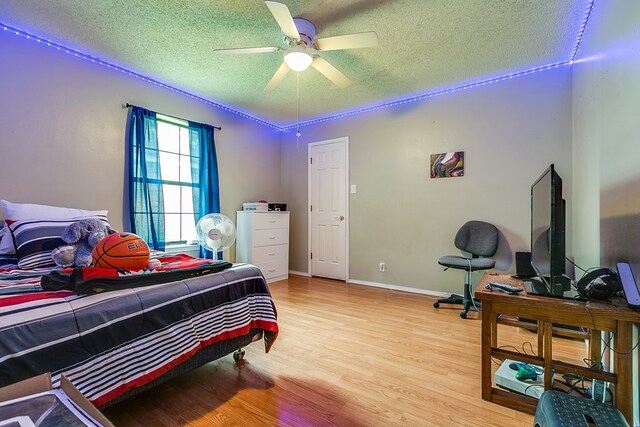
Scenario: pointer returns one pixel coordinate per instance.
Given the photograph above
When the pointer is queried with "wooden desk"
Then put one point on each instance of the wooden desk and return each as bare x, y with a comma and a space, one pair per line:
595, 316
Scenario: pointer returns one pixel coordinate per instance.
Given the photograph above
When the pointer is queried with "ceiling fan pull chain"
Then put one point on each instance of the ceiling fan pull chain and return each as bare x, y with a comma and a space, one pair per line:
297, 110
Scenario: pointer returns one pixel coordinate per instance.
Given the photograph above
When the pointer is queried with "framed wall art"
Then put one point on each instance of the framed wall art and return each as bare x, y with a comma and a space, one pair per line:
445, 165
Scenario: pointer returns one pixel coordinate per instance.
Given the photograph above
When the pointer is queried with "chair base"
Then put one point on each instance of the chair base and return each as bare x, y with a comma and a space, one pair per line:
466, 303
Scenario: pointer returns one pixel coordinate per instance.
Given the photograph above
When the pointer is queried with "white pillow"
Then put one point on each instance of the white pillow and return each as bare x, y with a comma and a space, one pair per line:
22, 211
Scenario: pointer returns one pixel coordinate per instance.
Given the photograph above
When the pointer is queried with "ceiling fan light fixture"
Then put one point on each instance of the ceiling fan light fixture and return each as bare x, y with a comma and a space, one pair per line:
297, 58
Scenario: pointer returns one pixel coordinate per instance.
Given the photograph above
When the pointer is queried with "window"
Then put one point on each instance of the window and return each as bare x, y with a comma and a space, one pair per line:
172, 179
177, 183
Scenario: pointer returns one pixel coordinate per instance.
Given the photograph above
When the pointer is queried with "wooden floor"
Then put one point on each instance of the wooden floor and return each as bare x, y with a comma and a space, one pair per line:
347, 355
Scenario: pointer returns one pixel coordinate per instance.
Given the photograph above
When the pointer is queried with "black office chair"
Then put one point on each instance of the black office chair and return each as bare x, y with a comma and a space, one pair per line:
481, 240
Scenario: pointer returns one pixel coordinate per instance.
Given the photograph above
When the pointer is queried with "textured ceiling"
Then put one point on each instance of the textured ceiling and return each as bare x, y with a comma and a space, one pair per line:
425, 45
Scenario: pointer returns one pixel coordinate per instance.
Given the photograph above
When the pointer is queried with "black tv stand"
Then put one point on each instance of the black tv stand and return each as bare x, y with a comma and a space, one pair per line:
536, 286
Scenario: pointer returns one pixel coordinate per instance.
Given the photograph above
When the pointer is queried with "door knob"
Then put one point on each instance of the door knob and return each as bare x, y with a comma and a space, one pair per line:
340, 218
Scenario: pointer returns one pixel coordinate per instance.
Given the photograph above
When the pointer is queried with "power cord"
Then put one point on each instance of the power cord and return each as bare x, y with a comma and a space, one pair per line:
593, 322
607, 345
533, 385
587, 390
530, 347
517, 350
572, 386
575, 383
571, 380
473, 301
574, 264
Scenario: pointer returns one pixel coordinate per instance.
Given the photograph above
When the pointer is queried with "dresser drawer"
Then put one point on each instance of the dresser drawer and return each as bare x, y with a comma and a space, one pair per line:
270, 253
273, 269
263, 240
270, 220
271, 237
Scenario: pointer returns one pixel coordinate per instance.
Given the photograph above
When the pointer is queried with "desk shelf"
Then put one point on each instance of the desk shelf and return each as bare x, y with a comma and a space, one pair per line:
533, 327
592, 316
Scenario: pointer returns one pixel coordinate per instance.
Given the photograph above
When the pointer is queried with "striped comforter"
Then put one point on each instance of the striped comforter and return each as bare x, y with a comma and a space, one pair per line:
110, 343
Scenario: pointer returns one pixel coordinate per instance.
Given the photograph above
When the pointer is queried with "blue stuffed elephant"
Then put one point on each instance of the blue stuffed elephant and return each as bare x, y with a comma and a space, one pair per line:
81, 237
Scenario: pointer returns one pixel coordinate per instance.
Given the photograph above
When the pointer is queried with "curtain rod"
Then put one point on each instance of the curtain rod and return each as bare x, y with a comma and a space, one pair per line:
179, 118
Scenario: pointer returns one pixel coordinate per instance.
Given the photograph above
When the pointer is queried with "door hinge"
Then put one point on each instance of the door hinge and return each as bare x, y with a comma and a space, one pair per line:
311, 160
311, 207
311, 255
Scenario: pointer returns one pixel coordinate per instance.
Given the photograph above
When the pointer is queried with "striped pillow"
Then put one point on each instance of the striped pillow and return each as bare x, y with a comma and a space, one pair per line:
35, 239
21, 211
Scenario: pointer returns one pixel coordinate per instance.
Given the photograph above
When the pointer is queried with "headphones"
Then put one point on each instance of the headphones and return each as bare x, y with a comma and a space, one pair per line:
601, 283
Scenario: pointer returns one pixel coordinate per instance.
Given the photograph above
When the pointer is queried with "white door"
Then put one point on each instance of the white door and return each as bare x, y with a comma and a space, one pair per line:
328, 221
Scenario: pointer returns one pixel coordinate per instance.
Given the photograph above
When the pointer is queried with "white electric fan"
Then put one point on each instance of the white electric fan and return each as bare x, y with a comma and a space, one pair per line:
215, 232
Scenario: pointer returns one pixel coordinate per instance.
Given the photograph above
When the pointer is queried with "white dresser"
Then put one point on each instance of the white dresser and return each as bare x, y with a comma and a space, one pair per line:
263, 240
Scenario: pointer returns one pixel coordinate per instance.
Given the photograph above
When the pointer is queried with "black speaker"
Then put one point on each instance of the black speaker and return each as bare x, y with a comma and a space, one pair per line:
523, 265
601, 283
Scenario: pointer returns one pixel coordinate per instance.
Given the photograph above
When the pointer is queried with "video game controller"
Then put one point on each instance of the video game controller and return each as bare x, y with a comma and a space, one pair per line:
525, 371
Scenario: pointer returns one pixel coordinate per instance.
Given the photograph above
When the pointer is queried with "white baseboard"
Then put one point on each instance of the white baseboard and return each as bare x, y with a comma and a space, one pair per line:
299, 273
399, 288
384, 286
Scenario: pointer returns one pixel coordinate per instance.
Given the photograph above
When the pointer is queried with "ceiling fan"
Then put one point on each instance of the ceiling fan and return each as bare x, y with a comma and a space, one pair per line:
302, 47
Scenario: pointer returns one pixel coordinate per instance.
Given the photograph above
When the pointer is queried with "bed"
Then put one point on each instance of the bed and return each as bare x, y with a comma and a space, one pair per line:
114, 344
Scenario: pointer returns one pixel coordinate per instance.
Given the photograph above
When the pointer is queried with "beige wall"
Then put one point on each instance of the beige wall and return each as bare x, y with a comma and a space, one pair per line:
62, 130
606, 149
510, 132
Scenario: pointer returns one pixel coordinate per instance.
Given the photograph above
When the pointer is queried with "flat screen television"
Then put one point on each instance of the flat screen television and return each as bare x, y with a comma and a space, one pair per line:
548, 237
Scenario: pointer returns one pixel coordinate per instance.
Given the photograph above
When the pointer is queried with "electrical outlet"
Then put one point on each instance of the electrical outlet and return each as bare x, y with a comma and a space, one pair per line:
382, 266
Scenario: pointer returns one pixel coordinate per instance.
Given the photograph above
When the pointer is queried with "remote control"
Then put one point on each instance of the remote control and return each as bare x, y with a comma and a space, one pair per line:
504, 288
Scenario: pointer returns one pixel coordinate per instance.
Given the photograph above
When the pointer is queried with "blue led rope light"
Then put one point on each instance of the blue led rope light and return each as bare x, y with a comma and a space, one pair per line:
132, 74
582, 30
428, 95
325, 118
458, 88
455, 89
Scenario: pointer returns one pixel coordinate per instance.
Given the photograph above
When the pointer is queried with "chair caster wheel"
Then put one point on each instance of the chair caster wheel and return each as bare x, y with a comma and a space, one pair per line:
463, 315
436, 304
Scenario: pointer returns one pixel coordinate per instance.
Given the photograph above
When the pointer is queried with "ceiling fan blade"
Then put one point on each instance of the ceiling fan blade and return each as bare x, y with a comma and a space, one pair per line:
331, 72
277, 77
284, 19
348, 41
245, 50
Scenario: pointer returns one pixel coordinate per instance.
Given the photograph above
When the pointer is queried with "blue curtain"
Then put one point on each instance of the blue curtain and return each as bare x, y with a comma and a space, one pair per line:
146, 205
204, 174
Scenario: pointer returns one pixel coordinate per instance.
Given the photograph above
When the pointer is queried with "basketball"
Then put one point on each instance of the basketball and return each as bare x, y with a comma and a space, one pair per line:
126, 251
